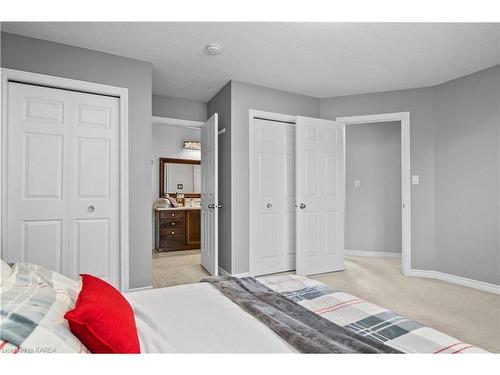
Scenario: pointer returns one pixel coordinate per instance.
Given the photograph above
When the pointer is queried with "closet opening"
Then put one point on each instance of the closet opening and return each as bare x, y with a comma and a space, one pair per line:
296, 191
304, 205
65, 162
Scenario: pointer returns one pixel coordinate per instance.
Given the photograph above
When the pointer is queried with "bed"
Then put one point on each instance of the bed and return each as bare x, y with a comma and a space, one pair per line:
274, 314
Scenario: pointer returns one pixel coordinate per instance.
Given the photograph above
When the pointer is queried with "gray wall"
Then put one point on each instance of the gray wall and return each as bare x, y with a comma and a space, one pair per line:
455, 151
420, 103
373, 210
221, 104
467, 163
244, 97
167, 106
168, 142
40, 56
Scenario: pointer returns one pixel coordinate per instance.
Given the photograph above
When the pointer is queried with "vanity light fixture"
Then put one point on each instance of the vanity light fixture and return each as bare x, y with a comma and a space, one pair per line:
192, 145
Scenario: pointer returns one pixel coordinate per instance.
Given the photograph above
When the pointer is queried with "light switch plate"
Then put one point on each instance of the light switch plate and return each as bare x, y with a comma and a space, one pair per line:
357, 183
414, 180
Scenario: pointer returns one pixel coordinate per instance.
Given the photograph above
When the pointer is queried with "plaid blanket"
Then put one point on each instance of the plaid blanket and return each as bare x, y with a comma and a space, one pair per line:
295, 324
365, 318
33, 301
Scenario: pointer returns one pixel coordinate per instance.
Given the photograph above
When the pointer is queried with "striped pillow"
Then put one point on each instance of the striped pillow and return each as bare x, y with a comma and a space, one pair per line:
33, 301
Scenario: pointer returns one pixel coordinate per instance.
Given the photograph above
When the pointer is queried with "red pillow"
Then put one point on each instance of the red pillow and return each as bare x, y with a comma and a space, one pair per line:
103, 319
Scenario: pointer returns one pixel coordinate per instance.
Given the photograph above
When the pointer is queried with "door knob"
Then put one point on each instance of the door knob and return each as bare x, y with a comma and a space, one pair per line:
90, 208
269, 205
219, 206
211, 206
302, 206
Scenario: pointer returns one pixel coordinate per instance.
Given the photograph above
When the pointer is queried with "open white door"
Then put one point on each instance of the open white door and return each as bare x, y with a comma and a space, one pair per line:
319, 159
209, 198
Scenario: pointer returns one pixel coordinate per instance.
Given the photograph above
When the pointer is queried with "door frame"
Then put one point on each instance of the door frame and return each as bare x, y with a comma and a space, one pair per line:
252, 115
56, 82
404, 118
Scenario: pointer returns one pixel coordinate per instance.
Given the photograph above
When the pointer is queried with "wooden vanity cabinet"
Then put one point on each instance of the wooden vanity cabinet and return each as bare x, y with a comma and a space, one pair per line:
177, 229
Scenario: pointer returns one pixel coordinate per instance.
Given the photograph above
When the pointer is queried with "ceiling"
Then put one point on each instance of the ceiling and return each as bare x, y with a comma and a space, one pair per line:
316, 59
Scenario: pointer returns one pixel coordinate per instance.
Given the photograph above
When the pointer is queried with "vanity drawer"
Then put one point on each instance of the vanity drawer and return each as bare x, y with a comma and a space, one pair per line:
172, 223
172, 242
171, 214
171, 232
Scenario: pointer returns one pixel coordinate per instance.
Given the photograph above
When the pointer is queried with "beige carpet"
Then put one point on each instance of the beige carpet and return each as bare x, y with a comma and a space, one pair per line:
468, 314
177, 267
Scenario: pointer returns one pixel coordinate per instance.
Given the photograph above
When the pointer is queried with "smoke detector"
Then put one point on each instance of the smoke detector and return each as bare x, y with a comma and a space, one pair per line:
213, 49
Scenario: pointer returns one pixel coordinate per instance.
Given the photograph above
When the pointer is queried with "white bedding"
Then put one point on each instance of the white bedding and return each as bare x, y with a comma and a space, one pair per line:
197, 318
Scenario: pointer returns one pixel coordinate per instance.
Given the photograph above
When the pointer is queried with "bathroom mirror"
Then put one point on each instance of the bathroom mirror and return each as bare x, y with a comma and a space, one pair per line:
180, 176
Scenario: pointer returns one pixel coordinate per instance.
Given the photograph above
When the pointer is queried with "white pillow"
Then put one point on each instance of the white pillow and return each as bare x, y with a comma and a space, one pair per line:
33, 301
5, 271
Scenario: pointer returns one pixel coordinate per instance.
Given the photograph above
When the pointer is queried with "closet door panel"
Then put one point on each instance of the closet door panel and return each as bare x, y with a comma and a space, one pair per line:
319, 186
92, 247
94, 190
42, 243
93, 171
43, 166
62, 181
273, 208
35, 229
288, 228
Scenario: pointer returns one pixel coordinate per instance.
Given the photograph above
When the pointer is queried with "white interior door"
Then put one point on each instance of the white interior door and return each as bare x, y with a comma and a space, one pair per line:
319, 187
273, 203
37, 179
209, 199
93, 186
62, 181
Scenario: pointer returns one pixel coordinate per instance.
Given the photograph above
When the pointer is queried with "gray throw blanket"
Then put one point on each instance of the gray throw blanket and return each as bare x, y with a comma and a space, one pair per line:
304, 330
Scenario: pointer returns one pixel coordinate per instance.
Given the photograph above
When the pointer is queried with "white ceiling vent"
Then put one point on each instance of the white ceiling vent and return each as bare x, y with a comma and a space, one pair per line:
213, 49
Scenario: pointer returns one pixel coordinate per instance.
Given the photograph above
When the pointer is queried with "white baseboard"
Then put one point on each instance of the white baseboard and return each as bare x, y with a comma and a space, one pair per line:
362, 253
223, 272
141, 288
481, 285
459, 280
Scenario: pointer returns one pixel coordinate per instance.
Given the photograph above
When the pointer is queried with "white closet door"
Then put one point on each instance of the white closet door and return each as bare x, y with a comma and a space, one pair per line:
36, 229
94, 192
209, 198
62, 181
319, 187
273, 208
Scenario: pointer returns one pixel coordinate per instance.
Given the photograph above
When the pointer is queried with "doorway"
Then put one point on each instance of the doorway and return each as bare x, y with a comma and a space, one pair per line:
365, 198
373, 189
185, 205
